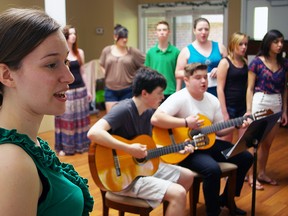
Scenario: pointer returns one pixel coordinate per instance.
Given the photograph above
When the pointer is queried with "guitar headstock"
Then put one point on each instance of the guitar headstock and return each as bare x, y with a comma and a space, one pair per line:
262, 113
200, 140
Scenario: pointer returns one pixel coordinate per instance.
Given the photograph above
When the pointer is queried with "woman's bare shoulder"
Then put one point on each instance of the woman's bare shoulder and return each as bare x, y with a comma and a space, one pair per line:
19, 177
15, 158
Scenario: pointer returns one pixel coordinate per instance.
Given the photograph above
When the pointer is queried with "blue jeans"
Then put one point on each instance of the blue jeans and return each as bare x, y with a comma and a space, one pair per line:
236, 112
117, 95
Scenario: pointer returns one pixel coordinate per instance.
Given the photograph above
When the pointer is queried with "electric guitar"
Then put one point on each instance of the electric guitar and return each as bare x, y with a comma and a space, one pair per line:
115, 170
173, 136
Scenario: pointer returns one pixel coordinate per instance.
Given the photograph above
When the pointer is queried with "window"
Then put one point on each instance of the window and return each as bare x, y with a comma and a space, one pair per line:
260, 22
180, 17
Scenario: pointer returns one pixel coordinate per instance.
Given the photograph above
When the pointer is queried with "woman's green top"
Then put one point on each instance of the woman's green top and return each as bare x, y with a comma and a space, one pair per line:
64, 191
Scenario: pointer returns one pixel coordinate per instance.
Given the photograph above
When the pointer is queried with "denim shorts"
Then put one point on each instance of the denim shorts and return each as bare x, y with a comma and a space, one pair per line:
117, 95
236, 112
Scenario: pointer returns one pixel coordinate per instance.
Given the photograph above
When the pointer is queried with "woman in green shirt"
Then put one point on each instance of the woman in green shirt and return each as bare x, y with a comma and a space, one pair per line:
34, 77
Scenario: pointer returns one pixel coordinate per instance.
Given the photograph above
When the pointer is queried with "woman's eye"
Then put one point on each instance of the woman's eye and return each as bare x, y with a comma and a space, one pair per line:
51, 66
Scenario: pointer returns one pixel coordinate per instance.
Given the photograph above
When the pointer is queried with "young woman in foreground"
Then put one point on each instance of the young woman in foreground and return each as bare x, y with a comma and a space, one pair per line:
34, 77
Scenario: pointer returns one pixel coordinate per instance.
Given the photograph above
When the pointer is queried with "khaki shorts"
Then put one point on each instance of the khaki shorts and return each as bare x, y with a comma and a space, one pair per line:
153, 188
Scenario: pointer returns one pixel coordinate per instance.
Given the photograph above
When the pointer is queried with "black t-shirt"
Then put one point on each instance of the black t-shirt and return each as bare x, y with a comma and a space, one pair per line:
126, 122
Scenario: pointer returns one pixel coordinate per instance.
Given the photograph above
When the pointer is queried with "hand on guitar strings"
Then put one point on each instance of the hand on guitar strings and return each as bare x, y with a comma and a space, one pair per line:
137, 150
245, 124
193, 122
187, 149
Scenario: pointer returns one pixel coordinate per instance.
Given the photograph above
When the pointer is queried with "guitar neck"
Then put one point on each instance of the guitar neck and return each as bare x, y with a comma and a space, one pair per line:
157, 152
222, 125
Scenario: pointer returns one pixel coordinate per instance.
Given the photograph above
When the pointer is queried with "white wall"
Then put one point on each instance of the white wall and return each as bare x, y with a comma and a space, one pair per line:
57, 10
277, 15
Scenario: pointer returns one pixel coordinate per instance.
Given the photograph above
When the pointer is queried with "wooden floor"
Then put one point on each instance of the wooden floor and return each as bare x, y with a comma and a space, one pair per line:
273, 201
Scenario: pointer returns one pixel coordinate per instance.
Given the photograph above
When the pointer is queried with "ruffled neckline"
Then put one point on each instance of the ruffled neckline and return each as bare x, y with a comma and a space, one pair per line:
48, 159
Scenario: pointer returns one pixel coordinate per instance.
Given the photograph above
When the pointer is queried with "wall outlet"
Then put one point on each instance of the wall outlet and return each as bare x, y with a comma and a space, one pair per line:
99, 31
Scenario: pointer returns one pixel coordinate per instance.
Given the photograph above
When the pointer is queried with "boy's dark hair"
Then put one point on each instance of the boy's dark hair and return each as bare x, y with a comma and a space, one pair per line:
147, 79
191, 68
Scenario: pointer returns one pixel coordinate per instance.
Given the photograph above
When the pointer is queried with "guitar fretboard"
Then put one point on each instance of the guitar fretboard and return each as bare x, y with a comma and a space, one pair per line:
220, 125
157, 152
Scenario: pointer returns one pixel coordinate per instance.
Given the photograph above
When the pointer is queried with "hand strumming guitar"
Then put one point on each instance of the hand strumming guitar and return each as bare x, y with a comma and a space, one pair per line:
193, 122
137, 150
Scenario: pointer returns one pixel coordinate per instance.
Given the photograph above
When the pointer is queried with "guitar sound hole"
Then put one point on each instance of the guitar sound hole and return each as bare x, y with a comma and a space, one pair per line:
140, 160
194, 132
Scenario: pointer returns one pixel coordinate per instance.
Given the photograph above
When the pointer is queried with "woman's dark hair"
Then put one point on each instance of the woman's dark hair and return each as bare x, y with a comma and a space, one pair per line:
21, 31
120, 31
268, 39
147, 79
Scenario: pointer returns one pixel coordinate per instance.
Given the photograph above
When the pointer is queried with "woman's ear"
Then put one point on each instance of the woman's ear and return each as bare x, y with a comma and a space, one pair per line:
5, 76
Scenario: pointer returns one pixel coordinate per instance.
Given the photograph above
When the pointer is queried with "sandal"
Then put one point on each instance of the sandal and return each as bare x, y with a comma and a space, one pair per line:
267, 180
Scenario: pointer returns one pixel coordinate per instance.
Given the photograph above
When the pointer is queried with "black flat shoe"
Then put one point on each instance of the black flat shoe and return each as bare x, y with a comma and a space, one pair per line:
238, 211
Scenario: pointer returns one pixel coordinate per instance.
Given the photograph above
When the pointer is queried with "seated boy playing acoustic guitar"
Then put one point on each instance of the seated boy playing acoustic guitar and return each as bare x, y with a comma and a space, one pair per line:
129, 119
182, 109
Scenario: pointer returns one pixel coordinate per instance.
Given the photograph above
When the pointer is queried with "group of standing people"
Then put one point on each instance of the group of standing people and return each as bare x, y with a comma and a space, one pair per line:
46, 65
244, 89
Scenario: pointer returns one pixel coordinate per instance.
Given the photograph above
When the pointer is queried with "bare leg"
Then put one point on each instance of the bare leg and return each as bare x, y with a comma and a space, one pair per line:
259, 186
186, 178
176, 196
234, 136
241, 131
263, 156
228, 137
176, 193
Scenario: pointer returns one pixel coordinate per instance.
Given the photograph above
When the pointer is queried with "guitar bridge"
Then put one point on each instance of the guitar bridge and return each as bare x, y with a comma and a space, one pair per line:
116, 162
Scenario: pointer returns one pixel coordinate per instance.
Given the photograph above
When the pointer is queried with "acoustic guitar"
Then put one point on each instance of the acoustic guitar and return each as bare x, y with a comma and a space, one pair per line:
116, 170
173, 136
